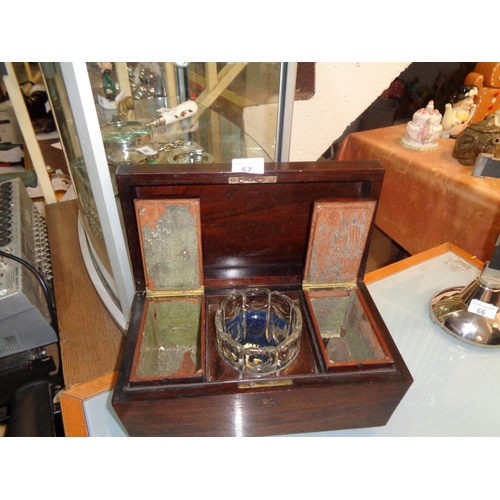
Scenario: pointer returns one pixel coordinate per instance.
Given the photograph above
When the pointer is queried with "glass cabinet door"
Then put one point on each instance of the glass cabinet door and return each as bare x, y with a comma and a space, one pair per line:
101, 235
116, 113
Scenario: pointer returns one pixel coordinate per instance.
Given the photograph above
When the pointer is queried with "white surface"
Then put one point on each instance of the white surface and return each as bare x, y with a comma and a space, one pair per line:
48, 136
343, 90
11, 155
101, 418
98, 282
456, 385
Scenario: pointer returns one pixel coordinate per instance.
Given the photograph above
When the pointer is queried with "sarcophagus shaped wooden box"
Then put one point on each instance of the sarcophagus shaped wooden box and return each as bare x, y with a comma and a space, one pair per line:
251, 316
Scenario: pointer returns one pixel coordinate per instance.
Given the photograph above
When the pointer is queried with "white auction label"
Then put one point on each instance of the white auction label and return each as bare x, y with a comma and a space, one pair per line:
147, 150
248, 165
482, 309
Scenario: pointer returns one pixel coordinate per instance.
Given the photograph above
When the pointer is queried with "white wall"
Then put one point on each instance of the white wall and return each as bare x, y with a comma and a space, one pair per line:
343, 92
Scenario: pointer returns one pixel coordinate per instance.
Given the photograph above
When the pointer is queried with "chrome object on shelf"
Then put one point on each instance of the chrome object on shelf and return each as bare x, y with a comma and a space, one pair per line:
471, 313
190, 154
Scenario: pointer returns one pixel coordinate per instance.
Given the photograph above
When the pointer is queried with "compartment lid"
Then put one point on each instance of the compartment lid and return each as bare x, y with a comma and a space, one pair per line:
254, 228
339, 233
170, 238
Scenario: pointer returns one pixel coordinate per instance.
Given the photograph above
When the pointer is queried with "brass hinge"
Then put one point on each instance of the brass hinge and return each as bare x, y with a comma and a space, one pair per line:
174, 293
260, 179
346, 285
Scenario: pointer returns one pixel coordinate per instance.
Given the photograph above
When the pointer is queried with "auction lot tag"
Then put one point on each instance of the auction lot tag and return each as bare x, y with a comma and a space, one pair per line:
147, 150
248, 165
482, 309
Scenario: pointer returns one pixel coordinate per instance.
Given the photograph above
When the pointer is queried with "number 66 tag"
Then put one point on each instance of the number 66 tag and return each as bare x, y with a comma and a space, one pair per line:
482, 309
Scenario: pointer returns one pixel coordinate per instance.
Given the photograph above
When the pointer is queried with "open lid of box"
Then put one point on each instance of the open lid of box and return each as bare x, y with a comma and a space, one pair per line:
254, 228
339, 233
169, 232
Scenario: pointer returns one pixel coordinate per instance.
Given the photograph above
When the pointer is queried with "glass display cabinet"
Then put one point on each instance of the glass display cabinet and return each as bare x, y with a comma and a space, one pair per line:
109, 114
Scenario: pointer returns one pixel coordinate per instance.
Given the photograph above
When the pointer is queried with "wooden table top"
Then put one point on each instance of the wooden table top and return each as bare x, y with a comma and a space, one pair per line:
91, 342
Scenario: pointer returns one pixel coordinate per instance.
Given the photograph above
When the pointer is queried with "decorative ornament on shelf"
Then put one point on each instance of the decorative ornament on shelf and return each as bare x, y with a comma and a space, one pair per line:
459, 112
423, 131
486, 77
109, 86
479, 138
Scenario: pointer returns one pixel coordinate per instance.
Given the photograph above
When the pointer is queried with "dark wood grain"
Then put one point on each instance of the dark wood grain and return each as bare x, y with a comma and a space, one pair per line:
258, 234
342, 405
249, 231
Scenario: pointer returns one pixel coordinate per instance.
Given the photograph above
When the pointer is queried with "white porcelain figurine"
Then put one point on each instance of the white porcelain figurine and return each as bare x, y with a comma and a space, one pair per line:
459, 112
424, 130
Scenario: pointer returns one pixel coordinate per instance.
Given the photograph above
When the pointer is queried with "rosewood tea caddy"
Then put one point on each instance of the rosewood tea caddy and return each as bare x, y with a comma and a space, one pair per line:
200, 234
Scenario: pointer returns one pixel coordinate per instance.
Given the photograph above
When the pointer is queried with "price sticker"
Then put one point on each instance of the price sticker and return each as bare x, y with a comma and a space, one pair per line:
147, 150
248, 165
482, 309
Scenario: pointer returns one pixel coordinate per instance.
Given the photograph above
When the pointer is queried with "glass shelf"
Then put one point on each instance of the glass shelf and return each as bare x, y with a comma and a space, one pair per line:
76, 92
208, 129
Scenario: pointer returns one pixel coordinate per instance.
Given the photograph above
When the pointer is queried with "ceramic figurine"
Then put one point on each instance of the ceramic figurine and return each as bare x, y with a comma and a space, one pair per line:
424, 130
109, 86
478, 138
486, 77
459, 112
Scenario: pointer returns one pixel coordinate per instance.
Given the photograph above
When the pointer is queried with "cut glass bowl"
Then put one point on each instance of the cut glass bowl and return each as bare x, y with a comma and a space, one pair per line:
258, 331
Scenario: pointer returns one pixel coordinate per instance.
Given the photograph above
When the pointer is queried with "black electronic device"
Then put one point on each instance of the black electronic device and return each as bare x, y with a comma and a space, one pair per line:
27, 310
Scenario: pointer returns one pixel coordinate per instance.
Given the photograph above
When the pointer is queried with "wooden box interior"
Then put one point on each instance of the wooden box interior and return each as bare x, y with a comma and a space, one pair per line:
171, 344
339, 232
253, 231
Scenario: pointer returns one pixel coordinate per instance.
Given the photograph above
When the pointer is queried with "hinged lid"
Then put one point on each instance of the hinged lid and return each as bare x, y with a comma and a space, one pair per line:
339, 232
170, 237
253, 233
